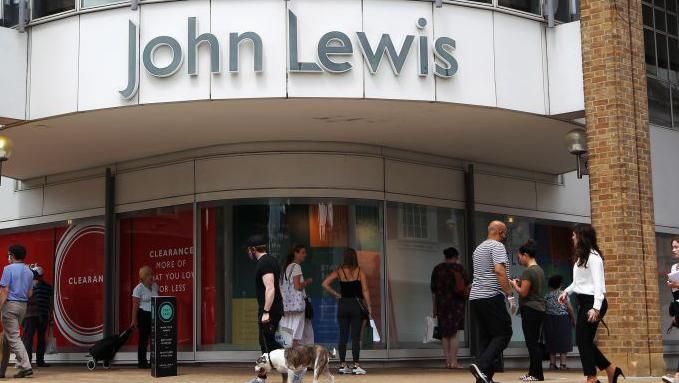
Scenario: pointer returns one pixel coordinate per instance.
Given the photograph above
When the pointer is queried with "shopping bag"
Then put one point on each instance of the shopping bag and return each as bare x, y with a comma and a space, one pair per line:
50, 342
431, 332
376, 334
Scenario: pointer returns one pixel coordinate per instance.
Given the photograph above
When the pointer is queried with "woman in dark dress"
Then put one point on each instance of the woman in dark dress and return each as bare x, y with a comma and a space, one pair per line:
450, 289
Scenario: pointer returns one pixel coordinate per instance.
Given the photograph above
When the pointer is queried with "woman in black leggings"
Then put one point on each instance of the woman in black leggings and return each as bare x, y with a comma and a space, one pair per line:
354, 304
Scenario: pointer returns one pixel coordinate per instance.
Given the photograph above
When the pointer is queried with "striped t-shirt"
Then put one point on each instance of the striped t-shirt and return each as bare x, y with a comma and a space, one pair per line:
486, 256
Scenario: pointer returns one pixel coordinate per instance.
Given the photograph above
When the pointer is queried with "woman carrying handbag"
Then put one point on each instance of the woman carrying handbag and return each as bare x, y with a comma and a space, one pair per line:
298, 314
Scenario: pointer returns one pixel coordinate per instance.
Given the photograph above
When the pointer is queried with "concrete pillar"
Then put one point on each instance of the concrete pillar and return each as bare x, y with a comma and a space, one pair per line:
620, 180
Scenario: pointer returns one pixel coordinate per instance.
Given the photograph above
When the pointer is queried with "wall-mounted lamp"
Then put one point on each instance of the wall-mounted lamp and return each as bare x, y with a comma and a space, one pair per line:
576, 143
5, 152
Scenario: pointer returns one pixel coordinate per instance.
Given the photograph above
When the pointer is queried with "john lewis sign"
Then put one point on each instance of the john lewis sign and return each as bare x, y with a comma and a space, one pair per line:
332, 51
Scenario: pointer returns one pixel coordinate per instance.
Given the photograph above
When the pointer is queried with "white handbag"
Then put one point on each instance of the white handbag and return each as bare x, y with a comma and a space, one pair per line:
293, 299
430, 325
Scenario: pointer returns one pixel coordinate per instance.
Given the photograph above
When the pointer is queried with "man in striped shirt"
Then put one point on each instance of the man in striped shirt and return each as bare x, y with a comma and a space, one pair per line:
37, 317
490, 286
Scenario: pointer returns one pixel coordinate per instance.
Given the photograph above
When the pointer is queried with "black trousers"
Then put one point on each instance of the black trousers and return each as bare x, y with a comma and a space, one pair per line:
32, 326
267, 332
531, 322
144, 326
350, 320
585, 332
494, 331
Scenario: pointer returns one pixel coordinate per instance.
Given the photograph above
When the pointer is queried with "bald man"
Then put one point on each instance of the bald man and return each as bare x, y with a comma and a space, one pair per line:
490, 287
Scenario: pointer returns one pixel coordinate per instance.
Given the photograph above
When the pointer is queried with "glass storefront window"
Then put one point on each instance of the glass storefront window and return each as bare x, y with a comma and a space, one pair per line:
665, 262
554, 250
529, 6
327, 227
416, 238
43, 8
72, 257
162, 239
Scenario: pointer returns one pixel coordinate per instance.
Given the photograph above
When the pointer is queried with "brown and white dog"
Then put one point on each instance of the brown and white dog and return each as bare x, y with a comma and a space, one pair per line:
295, 361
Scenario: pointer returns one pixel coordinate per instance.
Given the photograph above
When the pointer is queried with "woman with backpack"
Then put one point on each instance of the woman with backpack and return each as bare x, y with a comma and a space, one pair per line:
450, 289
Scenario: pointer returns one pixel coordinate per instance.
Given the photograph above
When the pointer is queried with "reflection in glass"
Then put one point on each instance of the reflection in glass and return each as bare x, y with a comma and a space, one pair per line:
10, 13
660, 20
327, 227
659, 102
647, 12
416, 238
96, 3
529, 6
649, 48
675, 104
42, 8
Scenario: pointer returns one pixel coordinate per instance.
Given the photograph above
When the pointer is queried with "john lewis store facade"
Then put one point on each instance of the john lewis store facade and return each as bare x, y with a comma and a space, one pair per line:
327, 123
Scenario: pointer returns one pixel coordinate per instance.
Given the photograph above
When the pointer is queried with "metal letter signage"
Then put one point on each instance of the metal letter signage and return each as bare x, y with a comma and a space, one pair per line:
332, 53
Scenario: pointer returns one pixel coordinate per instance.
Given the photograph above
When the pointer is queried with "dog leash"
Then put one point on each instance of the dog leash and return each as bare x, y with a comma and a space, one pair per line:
266, 344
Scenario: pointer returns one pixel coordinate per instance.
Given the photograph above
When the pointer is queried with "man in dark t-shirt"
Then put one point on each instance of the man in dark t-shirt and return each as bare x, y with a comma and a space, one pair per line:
269, 299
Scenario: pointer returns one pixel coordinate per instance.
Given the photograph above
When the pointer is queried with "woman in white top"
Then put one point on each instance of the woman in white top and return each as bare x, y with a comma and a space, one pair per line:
675, 294
141, 311
294, 298
589, 285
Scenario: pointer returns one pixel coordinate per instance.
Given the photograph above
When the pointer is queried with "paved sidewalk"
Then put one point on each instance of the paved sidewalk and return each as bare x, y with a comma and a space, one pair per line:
227, 374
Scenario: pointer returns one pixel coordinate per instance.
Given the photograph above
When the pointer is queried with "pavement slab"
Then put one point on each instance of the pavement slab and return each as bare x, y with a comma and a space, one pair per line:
228, 374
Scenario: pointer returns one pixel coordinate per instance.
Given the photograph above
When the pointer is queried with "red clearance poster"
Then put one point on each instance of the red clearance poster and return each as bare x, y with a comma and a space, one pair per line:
164, 241
79, 283
72, 259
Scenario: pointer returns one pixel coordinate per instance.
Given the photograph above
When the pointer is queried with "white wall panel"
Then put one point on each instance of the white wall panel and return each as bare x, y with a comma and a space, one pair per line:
155, 183
104, 57
398, 18
425, 181
289, 170
472, 30
73, 196
564, 57
314, 19
237, 16
13, 72
664, 160
570, 198
171, 19
54, 68
504, 191
519, 71
19, 204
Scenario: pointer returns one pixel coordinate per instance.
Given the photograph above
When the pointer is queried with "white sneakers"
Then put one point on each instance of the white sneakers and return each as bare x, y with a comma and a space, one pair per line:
345, 370
357, 370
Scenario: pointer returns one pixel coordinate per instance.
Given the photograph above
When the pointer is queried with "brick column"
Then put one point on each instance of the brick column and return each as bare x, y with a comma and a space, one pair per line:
620, 180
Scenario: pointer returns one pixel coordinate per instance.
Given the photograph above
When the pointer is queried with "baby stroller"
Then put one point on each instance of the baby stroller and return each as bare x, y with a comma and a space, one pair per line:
105, 350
